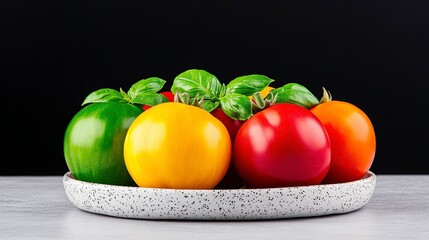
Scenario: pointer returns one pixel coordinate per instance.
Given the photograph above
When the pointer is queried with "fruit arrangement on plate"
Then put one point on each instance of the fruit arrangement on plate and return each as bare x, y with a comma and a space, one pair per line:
210, 150
203, 134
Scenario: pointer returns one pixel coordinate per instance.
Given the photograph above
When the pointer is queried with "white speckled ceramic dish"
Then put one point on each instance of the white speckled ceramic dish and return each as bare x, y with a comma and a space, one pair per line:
230, 204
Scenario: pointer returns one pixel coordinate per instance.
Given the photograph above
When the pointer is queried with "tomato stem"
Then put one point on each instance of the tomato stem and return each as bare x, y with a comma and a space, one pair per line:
260, 103
186, 99
326, 97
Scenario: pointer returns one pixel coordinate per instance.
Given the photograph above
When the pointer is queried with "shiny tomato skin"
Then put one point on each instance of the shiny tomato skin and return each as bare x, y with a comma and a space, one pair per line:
284, 145
177, 146
352, 138
231, 179
168, 94
94, 140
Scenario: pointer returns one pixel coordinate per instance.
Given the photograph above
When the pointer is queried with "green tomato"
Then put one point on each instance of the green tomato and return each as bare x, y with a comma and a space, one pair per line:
94, 142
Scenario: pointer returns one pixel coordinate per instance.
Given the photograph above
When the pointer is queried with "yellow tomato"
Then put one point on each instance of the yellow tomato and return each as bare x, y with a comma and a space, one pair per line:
266, 91
174, 145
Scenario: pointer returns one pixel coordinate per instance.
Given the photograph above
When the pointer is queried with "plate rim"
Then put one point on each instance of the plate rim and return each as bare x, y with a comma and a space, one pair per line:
368, 176
358, 199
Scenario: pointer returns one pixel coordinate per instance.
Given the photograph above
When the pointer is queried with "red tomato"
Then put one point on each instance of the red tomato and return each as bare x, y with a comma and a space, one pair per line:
352, 138
168, 94
283, 145
231, 179
231, 124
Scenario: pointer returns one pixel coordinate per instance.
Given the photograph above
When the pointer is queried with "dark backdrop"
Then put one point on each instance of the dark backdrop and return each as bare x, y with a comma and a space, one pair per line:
371, 53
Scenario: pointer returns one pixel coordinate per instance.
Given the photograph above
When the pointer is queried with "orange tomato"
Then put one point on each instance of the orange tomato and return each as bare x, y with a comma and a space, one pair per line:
353, 142
175, 145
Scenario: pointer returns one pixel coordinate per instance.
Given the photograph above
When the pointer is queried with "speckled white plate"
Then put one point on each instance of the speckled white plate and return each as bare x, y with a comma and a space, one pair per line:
229, 204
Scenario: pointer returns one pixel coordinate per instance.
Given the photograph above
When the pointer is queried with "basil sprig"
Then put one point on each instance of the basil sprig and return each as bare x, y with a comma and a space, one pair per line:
232, 98
143, 92
293, 93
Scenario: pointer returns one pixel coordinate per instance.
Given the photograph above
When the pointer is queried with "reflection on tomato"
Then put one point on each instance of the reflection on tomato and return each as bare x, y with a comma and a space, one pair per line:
283, 145
174, 145
352, 138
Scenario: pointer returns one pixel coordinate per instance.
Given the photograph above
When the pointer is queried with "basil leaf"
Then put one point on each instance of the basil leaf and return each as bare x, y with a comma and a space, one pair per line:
209, 105
296, 94
124, 95
222, 90
149, 98
248, 85
197, 82
104, 95
236, 106
152, 84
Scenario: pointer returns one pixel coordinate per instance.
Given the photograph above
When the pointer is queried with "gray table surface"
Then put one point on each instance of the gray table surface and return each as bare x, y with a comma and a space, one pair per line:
36, 207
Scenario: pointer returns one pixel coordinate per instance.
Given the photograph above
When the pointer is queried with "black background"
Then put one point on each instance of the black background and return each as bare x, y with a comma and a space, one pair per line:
373, 54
